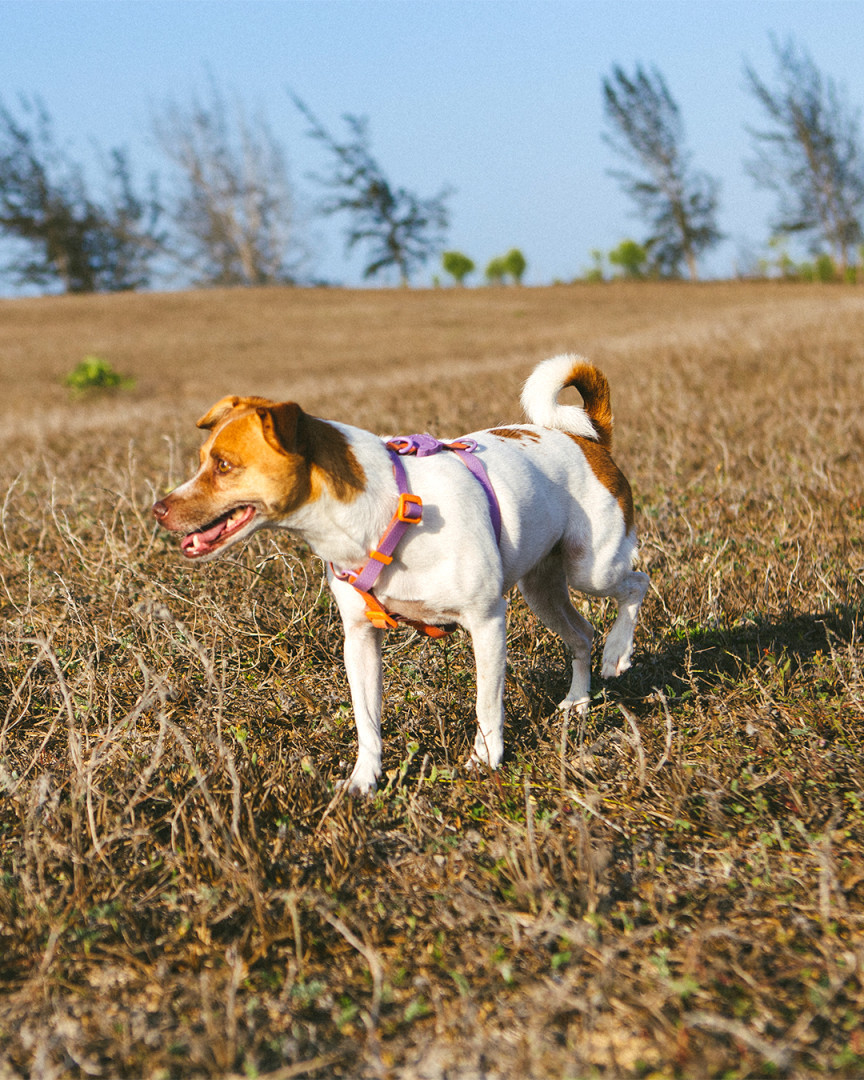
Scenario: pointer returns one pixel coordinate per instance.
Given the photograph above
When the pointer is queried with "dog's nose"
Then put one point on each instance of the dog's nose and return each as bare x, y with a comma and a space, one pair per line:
160, 510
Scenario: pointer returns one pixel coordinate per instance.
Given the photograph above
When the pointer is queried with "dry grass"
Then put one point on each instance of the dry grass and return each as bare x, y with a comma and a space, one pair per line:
674, 888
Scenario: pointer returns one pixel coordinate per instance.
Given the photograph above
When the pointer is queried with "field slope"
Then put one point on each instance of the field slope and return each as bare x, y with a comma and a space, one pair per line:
672, 888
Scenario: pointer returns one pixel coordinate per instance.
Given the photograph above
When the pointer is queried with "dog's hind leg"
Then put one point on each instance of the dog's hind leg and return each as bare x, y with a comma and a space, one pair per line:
619, 644
545, 591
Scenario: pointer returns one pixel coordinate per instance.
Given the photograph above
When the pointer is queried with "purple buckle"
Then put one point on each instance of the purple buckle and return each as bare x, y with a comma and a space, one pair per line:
422, 445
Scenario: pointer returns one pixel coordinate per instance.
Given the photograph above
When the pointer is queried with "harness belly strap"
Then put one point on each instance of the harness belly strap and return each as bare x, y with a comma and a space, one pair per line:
410, 512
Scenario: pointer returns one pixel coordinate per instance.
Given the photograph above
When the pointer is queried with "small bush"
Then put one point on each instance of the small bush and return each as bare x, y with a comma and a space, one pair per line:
94, 373
632, 258
496, 270
512, 264
456, 264
516, 264
826, 271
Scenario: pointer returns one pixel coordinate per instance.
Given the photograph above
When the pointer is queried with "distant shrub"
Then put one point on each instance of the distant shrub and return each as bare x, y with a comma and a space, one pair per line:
512, 264
496, 270
516, 265
94, 373
825, 269
632, 258
822, 270
457, 265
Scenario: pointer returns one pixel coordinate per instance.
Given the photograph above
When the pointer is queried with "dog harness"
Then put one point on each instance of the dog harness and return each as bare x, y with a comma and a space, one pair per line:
410, 512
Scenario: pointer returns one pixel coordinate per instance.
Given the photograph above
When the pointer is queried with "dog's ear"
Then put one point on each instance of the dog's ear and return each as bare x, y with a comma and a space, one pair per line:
220, 409
283, 427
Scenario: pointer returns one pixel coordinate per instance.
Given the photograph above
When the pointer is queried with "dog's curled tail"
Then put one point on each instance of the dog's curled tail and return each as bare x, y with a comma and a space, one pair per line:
540, 398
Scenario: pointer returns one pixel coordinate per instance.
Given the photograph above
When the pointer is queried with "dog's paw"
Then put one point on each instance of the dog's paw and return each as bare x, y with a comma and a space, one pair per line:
356, 791
477, 766
580, 705
615, 665
486, 754
362, 781
616, 655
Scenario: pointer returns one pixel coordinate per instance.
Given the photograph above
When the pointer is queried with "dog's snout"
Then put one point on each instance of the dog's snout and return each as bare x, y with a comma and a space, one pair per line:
160, 510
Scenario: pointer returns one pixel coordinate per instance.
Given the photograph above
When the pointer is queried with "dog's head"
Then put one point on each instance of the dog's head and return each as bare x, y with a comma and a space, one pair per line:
261, 461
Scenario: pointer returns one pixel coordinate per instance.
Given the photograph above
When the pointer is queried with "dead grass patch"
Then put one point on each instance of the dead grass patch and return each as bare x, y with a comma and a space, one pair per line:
672, 888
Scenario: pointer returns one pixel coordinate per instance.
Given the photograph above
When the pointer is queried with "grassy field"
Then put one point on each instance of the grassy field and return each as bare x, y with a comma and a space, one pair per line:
672, 888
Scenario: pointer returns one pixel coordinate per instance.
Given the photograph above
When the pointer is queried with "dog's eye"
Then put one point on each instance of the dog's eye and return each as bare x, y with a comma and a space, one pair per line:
223, 466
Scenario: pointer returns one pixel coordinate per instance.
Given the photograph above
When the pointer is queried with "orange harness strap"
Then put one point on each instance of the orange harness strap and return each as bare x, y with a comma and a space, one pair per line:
379, 616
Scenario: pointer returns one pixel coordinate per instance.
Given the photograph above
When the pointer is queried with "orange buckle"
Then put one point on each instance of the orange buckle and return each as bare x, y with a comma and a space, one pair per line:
381, 557
377, 615
381, 619
406, 500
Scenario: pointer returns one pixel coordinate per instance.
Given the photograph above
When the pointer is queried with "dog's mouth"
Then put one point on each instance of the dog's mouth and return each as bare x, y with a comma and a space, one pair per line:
218, 533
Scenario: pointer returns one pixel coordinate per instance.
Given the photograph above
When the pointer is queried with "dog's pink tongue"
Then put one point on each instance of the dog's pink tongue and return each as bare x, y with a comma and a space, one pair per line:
198, 541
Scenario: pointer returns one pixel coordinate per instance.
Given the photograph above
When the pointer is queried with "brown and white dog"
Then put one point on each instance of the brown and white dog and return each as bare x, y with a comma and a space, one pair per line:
566, 520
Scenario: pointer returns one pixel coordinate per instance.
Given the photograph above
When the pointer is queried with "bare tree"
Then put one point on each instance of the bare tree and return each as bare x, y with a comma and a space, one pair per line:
399, 228
60, 231
811, 155
678, 205
233, 210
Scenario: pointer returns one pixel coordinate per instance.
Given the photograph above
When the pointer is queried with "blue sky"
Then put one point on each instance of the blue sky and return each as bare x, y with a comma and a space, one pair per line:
501, 99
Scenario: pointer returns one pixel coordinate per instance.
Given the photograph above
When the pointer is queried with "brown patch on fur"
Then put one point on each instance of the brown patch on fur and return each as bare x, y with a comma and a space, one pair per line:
220, 411
319, 455
515, 433
332, 459
608, 473
594, 388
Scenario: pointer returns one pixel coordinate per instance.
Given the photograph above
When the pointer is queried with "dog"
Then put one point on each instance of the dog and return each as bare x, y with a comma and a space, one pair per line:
542, 506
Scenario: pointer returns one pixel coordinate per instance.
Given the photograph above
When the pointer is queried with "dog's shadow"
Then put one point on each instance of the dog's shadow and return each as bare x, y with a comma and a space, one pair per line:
705, 660
708, 660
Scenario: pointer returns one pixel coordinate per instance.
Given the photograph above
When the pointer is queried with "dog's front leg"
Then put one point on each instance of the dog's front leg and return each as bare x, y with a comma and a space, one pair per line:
363, 665
489, 638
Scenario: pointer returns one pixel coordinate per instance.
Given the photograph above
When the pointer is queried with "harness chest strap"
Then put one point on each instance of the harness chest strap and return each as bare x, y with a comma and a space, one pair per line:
410, 512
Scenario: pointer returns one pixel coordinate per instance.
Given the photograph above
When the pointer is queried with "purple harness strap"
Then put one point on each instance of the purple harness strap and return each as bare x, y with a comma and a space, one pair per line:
410, 510
427, 445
